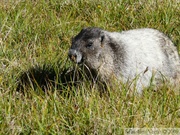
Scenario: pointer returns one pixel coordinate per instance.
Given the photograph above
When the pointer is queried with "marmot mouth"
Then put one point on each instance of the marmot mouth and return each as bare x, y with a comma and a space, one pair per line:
75, 56
82, 61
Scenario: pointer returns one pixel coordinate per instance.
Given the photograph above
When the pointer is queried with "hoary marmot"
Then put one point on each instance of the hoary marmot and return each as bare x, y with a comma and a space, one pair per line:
125, 55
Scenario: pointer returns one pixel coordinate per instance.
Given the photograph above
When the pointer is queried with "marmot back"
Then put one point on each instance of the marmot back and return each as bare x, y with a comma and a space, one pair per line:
126, 55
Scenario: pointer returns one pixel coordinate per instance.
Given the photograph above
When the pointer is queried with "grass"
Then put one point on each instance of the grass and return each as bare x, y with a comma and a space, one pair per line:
38, 33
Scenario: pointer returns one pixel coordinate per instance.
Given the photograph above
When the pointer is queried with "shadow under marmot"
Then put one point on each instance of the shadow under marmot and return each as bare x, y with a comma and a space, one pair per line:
47, 78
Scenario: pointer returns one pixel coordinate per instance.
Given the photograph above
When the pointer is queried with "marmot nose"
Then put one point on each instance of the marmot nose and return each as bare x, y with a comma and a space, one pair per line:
72, 55
75, 56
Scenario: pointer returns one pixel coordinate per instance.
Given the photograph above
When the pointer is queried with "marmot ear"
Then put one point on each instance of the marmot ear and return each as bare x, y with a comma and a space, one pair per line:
102, 36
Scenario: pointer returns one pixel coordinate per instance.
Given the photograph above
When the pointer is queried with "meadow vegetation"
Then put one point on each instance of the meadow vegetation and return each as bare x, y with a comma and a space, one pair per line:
37, 34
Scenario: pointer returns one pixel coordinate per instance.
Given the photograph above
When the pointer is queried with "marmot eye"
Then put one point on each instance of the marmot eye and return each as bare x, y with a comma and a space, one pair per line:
89, 45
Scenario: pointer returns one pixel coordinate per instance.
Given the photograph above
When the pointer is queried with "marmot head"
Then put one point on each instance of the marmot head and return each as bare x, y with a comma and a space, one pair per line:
87, 47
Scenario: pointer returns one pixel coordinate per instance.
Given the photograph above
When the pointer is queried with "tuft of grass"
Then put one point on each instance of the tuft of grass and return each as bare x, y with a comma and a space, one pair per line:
39, 33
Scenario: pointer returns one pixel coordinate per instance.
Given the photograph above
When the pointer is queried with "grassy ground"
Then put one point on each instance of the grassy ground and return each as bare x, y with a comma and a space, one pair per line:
39, 32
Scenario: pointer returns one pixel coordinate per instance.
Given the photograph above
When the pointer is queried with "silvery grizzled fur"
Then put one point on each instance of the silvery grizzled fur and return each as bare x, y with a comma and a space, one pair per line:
126, 55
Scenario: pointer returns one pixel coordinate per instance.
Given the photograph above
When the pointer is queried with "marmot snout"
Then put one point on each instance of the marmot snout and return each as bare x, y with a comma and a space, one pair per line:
75, 56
